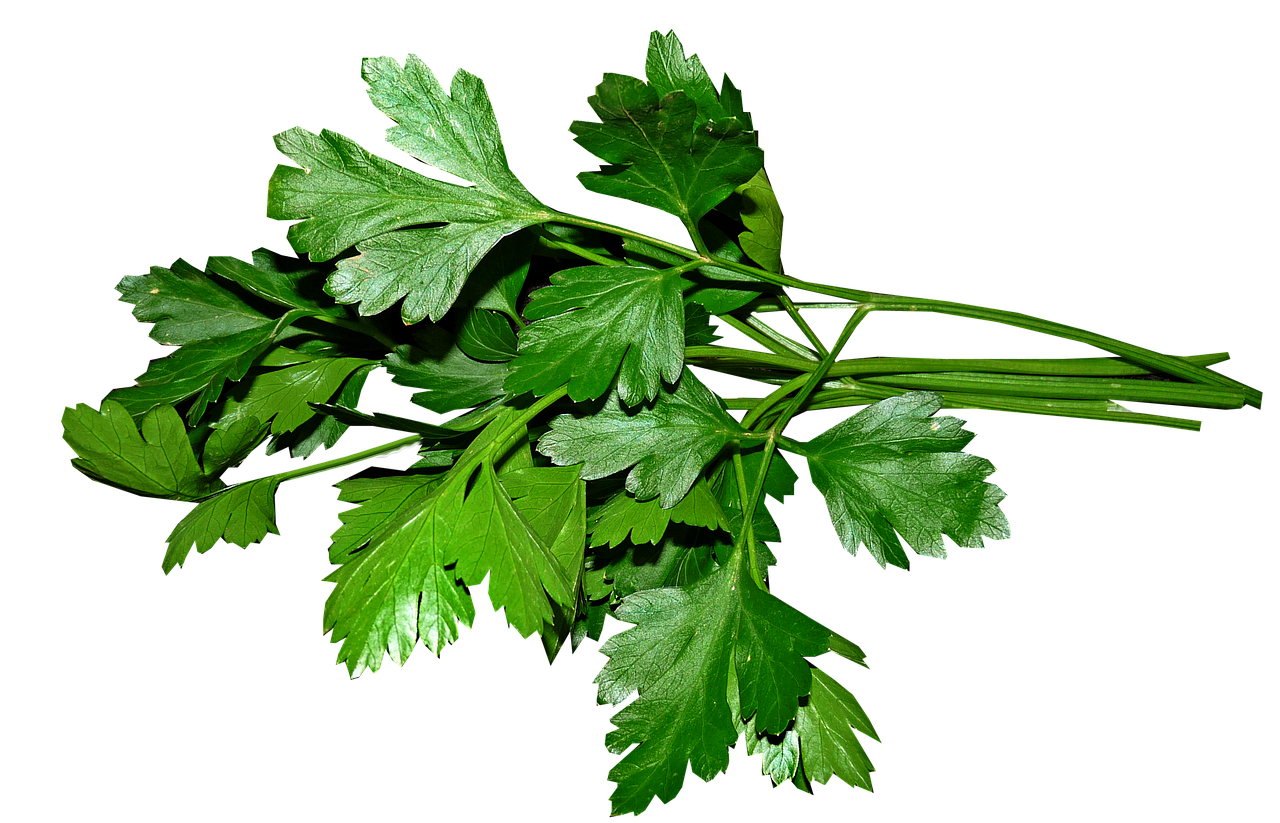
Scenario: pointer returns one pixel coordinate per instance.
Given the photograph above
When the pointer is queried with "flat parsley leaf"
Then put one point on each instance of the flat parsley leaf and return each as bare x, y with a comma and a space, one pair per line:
671, 144
666, 444
153, 459
242, 514
597, 322
623, 517
678, 657
346, 196
894, 469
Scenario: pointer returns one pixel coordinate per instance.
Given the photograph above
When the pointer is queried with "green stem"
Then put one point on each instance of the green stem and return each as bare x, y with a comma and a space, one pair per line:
794, 313
747, 533
764, 338
818, 374
574, 220
386, 448
1068, 388
551, 241
509, 436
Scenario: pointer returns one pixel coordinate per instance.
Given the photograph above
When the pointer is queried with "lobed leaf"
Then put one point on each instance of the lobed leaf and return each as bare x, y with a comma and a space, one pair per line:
893, 469
666, 444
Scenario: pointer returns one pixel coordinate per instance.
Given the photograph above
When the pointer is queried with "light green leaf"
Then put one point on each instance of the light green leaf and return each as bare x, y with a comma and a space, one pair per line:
455, 132
668, 443
495, 540
153, 460
623, 517
451, 379
392, 588
832, 727
678, 657
894, 469
666, 153
761, 214
284, 396
597, 322
425, 267
486, 335
186, 305
242, 514
554, 502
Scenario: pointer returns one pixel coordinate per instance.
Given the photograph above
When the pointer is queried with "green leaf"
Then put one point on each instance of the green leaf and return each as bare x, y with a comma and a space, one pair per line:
392, 588
668, 70
779, 754
285, 281
678, 657
242, 514
623, 517
894, 469
486, 335
500, 543
498, 280
455, 132
554, 502
668, 443
323, 429
706, 285
684, 556
666, 153
698, 330
154, 459
186, 305
598, 322
451, 379
200, 370
230, 445
284, 396
430, 431
825, 728
761, 214
426, 267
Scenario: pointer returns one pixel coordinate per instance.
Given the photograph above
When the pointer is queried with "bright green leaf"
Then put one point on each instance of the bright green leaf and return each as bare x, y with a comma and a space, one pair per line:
623, 517
894, 469
762, 216
242, 514
597, 322
668, 443
825, 728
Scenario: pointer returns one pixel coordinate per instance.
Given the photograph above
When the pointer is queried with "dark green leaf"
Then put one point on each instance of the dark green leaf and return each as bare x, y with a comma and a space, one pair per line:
451, 379
678, 657
285, 281
762, 216
683, 557
323, 430
487, 335
284, 396
668, 443
186, 305
154, 459
698, 330
230, 445
623, 517
498, 280
666, 153
598, 322
894, 469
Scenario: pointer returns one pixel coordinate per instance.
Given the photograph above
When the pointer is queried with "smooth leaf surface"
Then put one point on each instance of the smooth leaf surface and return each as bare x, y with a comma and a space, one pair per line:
894, 469
666, 444
153, 459
242, 514
451, 380
186, 305
678, 658
597, 322
825, 728
624, 518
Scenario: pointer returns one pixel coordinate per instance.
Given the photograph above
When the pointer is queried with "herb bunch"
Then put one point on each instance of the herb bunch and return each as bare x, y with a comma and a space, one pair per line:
585, 471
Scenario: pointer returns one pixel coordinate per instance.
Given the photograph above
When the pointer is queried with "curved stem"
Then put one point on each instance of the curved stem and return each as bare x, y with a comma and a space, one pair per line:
376, 451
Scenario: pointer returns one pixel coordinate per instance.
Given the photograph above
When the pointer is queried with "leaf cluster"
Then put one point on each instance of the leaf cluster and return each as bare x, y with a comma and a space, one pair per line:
582, 468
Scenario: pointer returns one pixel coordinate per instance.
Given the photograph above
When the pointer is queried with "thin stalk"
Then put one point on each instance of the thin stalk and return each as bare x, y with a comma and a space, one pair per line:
794, 346
359, 328
748, 527
551, 241
586, 223
1068, 388
763, 338
796, 318
386, 448
818, 374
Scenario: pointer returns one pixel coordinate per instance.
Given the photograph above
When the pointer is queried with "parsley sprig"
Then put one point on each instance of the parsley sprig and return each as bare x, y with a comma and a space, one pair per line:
589, 472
